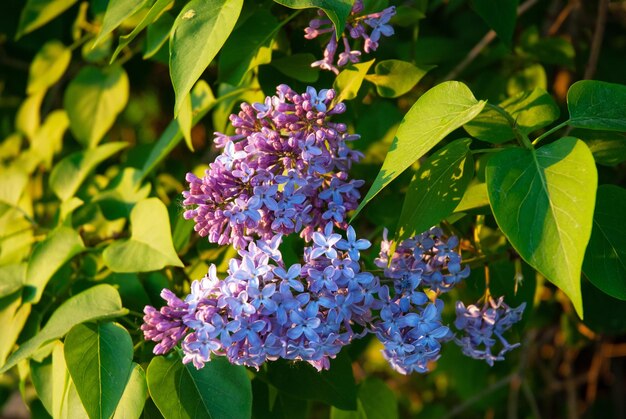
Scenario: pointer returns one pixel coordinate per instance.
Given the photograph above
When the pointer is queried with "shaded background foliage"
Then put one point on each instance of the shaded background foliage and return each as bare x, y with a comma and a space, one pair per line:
61, 248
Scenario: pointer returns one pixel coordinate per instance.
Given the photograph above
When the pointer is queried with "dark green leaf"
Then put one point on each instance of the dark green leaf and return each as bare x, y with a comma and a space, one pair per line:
543, 202
219, 390
530, 111
98, 302
60, 246
376, 401
157, 35
37, 13
605, 260
298, 67
436, 189
500, 15
248, 46
99, 358
337, 10
198, 34
150, 246
436, 114
394, 78
597, 105
549, 50
69, 173
608, 148
93, 100
603, 313
334, 386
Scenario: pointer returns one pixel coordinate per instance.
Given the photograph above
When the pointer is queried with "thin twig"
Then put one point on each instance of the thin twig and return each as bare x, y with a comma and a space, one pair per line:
530, 398
483, 43
495, 386
558, 22
596, 43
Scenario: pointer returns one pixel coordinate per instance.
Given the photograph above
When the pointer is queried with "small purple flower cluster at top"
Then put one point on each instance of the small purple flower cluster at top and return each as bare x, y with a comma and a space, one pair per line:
356, 27
285, 172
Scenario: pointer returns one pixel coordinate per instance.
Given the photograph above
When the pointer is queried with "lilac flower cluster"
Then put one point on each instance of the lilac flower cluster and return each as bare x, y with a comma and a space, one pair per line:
410, 324
283, 172
482, 324
264, 310
356, 27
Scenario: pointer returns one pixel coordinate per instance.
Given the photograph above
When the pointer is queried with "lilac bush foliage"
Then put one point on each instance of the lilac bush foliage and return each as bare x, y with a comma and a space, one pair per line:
357, 27
285, 171
484, 327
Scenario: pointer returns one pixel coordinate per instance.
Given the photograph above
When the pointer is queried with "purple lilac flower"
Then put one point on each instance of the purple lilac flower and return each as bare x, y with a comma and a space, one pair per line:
357, 26
283, 172
484, 328
263, 309
410, 325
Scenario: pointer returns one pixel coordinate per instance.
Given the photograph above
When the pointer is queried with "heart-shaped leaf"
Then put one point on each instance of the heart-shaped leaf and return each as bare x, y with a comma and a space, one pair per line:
597, 105
99, 358
150, 246
220, 390
543, 201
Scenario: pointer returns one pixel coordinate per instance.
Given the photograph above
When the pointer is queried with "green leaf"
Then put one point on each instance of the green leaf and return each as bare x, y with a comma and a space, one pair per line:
337, 10
12, 278
436, 189
148, 19
605, 260
475, 197
499, 15
150, 246
28, 118
135, 393
334, 386
375, 401
37, 13
48, 66
249, 46
122, 193
117, 12
298, 67
185, 120
219, 390
93, 100
98, 302
157, 35
530, 110
436, 114
202, 100
13, 181
549, 50
99, 358
349, 81
69, 173
198, 34
597, 105
394, 78
543, 201
608, 147
60, 246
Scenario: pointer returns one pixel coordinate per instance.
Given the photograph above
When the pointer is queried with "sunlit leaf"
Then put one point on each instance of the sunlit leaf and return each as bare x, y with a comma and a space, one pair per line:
436, 189
545, 211
134, 398
117, 11
349, 81
199, 32
69, 173
93, 100
337, 10
99, 358
436, 114
37, 13
48, 66
150, 246
98, 302
394, 78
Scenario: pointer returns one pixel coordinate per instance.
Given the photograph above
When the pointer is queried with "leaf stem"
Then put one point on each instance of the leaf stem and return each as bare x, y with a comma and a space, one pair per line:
550, 131
521, 137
